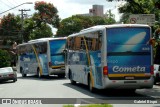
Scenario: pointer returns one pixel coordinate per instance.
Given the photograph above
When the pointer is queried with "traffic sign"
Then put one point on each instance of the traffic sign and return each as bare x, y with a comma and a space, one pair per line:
142, 19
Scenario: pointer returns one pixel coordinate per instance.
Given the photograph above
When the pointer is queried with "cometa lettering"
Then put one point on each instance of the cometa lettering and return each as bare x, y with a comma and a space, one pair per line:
129, 69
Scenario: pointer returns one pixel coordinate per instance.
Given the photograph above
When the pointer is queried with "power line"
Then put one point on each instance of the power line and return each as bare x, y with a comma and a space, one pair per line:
11, 3
6, 4
22, 22
16, 7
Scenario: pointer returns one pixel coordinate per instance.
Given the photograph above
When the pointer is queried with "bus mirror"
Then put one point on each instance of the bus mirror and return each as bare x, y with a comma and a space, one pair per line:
64, 50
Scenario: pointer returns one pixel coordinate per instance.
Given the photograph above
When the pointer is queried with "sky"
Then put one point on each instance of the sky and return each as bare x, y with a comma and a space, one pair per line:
66, 8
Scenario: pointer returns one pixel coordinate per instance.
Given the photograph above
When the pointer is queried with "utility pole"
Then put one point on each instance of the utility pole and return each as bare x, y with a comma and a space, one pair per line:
22, 20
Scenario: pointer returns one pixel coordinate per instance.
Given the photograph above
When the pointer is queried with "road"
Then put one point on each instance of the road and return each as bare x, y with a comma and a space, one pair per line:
54, 87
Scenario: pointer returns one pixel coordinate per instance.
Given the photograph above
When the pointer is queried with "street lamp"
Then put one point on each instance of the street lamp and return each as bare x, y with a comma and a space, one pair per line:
16, 7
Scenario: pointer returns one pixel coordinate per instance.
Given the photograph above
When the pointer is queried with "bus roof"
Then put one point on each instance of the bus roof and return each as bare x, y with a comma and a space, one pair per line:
100, 27
42, 40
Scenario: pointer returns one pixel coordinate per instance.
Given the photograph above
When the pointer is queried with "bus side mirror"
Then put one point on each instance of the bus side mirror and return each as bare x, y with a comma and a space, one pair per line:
64, 50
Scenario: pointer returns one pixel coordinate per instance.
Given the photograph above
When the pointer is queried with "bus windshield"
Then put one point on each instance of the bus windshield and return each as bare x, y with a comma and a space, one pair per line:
128, 35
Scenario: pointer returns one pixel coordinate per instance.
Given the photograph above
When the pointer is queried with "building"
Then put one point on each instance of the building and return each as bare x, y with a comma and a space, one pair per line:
96, 10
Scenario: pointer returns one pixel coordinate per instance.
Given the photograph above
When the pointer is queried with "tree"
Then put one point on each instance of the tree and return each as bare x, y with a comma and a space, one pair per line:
138, 7
10, 27
34, 27
5, 58
77, 22
47, 13
38, 25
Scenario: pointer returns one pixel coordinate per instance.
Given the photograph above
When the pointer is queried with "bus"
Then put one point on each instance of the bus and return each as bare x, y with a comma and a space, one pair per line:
111, 57
42, 57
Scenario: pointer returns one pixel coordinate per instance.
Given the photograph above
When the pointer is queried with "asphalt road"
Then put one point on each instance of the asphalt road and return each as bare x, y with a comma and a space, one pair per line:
56, 92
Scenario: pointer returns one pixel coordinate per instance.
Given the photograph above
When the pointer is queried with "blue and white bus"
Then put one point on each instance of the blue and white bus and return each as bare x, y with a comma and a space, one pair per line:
42, 57
111, 57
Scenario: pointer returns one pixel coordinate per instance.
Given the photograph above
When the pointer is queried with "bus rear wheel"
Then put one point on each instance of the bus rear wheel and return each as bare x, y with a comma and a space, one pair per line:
38, 73
91, 89
61, 75
71, 80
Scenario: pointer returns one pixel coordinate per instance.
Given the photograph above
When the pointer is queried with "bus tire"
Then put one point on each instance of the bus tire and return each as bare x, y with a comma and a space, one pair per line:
38, 73
71, 80
22, 72
91, 89
61, 75
130, 91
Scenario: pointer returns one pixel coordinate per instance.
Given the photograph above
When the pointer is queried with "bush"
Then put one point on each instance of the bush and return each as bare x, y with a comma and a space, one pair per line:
4, 58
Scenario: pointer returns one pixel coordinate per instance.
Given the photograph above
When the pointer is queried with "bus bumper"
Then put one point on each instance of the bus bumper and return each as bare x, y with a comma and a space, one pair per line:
128, 84
56, 71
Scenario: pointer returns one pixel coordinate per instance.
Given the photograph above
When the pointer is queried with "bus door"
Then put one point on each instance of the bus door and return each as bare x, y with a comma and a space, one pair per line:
129, 56
94, 42
40, 51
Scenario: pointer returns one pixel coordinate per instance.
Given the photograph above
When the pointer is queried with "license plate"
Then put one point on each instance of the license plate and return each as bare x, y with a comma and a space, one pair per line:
129, 78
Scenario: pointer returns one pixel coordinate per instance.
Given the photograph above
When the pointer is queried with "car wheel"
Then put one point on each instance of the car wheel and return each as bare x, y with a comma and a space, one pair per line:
15, 79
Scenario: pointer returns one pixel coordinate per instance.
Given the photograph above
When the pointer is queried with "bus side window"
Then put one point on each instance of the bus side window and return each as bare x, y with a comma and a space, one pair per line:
99, 40
71, 43
82, 46
77, 43
94, 44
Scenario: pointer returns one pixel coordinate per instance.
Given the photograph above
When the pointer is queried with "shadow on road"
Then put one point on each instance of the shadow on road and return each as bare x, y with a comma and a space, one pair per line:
120, 96
7, 82
44, 78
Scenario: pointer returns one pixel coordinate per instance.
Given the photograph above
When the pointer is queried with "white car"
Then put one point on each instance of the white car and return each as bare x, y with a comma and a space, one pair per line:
156, 73
7, 73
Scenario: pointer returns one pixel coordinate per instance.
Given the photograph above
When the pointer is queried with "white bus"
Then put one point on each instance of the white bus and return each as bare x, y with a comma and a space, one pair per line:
111, 57
42, 57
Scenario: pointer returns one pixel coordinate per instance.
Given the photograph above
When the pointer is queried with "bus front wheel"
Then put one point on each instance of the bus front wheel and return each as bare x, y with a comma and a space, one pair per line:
22, 72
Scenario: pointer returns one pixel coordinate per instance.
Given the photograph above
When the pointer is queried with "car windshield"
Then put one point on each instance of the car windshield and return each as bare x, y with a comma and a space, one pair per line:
6, 69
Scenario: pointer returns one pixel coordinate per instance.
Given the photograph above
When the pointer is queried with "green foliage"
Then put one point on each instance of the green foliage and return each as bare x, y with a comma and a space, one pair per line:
46, 13
10, 27
138, 7
76, 23
4, 58
41, 32
34, 31
38, 25
35, 27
